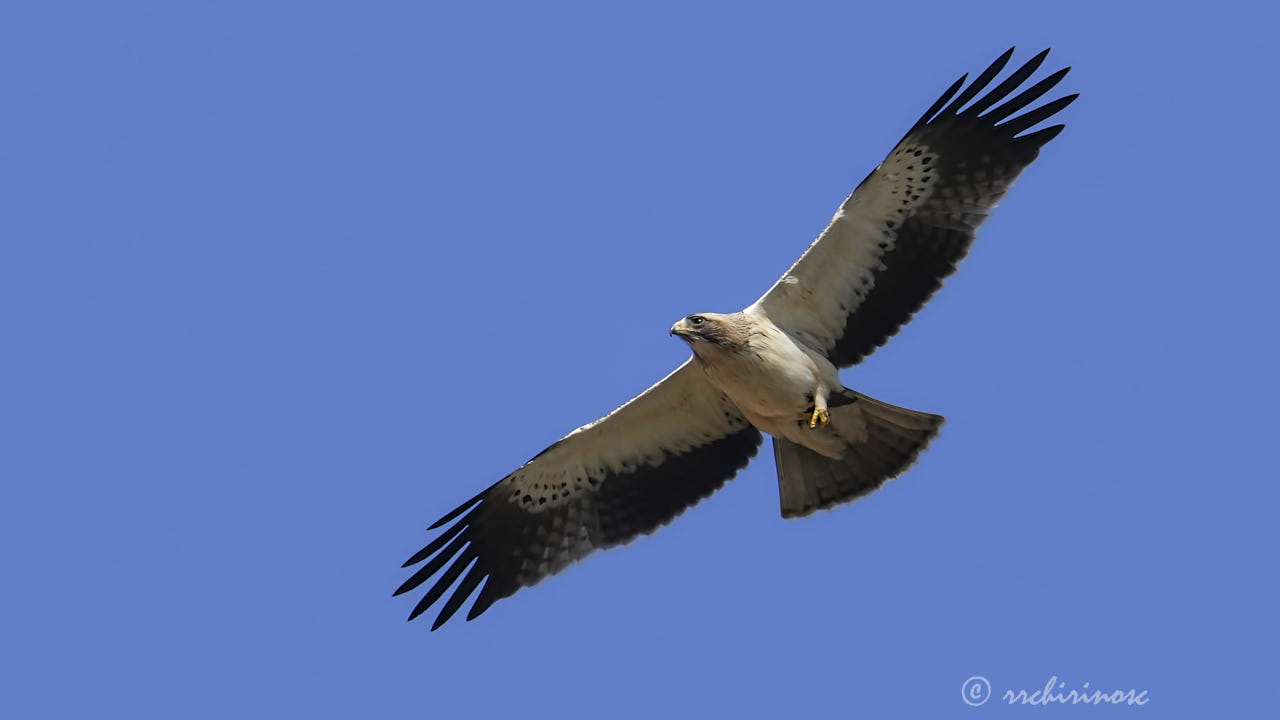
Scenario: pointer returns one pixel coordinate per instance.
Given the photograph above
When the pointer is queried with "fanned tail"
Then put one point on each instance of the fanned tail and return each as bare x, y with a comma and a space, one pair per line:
881, 442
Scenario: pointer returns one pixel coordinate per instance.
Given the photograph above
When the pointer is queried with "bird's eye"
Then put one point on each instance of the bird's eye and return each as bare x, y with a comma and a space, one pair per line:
696, 319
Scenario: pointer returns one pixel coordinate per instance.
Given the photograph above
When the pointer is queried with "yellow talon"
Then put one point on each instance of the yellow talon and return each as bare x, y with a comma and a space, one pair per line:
820, 418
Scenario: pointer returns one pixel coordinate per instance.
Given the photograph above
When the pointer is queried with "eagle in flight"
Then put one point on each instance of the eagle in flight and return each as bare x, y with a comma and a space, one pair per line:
771, 368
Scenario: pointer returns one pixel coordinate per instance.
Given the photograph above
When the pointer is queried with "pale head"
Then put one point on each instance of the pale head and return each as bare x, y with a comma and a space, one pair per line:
708, 331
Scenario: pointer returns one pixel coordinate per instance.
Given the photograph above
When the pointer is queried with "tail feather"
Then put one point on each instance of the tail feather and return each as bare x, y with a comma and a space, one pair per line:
880, 442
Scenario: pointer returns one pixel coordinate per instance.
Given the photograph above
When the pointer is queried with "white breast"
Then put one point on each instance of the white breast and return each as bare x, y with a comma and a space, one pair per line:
773, 379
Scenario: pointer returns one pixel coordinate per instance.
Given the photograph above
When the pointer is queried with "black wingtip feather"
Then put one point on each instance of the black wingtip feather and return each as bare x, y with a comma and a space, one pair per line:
1026, 97
1044, 112
460, 509
940, 102
484, 601
442, 584
460, 595
1009, 84
439, 542
1040, 138
979, 83
432, 567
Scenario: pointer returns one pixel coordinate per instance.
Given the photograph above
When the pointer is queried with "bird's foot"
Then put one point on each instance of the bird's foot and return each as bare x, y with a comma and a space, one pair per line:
820, 418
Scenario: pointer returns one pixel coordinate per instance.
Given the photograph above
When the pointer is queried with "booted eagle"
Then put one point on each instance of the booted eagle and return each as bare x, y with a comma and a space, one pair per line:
771, 368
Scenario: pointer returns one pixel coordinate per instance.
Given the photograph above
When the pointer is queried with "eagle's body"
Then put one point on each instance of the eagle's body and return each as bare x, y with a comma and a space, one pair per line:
772, 377
771, 368
763, 370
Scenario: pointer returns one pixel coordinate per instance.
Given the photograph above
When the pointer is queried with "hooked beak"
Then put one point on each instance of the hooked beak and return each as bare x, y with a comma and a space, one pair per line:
681, 329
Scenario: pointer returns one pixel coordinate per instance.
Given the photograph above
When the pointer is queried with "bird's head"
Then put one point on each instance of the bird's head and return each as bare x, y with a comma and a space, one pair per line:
709, 328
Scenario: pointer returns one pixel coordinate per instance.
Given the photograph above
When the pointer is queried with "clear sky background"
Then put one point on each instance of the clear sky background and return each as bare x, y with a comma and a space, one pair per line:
281, 283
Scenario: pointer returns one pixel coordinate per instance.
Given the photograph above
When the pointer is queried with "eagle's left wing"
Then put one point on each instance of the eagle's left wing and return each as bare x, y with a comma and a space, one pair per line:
623, 475
908, 224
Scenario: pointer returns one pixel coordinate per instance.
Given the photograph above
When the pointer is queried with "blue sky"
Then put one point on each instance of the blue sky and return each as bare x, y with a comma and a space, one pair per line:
284, 282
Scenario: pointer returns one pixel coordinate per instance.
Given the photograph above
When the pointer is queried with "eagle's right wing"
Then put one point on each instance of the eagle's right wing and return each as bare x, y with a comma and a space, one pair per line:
601, 485
908, 224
